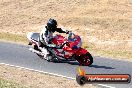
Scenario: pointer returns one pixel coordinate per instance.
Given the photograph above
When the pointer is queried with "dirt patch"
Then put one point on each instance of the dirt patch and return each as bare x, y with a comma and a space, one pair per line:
31, 79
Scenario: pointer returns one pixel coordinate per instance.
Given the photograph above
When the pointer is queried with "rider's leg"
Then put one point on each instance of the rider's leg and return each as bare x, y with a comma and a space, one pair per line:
45, 51
42, 47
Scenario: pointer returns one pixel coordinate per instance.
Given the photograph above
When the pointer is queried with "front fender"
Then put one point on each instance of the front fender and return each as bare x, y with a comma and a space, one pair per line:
81, 51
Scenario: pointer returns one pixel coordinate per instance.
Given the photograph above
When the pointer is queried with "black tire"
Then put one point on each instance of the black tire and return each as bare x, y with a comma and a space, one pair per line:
91, 58
85, 60
53, 59
49, 58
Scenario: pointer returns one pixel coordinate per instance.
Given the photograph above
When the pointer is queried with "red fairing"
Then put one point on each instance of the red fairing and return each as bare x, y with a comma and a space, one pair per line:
75, 42
81, 51
58, 39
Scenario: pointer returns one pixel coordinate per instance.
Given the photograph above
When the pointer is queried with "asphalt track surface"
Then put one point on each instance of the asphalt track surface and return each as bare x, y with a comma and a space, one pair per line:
19, 55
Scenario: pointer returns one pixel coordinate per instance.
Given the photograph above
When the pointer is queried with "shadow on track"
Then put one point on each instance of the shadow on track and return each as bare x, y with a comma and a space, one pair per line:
91, 66
95, 66
74, 63
105, 67
69, 62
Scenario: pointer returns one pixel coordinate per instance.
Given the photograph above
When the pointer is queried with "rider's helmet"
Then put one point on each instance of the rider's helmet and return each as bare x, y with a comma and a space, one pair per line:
51, 24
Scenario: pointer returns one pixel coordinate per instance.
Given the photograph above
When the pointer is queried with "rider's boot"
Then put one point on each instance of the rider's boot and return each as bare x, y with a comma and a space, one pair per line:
44, 51
49, 57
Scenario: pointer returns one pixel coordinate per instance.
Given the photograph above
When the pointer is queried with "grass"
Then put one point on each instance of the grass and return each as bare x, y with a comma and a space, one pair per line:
13, 37
90, 47
126, 55
7, 84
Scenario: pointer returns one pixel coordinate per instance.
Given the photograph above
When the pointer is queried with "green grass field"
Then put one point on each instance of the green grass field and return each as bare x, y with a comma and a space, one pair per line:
13, 37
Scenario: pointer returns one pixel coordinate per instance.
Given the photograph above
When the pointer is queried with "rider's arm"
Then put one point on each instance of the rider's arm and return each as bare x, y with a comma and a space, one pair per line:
60, 30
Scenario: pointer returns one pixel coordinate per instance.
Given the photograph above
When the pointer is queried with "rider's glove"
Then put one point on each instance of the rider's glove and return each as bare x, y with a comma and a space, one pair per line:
67, 32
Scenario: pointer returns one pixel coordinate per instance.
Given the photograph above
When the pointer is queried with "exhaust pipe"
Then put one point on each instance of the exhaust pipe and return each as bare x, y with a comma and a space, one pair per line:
36, 51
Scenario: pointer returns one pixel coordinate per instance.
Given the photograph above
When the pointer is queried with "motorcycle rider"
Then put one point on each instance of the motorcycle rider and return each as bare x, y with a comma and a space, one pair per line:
47, 34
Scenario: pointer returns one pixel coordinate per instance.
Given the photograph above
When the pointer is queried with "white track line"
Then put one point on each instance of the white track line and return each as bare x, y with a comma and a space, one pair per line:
106, 86
37, 71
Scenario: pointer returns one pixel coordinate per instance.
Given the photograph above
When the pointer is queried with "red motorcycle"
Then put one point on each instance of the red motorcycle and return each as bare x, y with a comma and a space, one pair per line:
70, 48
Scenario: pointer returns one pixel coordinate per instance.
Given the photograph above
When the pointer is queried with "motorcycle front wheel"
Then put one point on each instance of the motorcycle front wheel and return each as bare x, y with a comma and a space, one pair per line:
85, 59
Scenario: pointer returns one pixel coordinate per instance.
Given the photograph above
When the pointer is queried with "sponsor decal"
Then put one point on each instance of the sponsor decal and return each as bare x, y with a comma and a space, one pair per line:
83, 78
